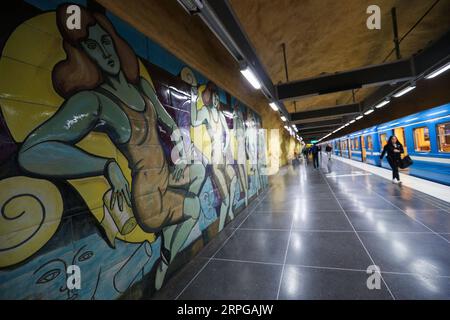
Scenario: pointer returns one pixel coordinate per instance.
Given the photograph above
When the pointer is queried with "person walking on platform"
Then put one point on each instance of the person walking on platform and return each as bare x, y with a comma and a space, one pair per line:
315, 153
328, 150
305, 152
393, 149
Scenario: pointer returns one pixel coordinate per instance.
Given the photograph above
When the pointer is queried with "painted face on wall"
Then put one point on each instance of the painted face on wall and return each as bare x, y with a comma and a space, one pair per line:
51, 277
215, 100
99, 46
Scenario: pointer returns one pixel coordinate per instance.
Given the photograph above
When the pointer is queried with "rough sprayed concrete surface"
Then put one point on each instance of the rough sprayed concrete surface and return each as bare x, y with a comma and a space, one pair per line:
327, 36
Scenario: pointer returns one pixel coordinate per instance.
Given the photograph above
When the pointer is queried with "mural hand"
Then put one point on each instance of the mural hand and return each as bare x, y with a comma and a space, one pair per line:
194, 92
119, 185
179, 171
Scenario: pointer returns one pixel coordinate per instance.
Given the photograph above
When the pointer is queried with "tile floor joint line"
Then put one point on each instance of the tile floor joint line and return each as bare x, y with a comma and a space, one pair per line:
433, 203
223, 244
356, 233
247, 261
418, 221
329, 268
285, 257
411, 181
338, 231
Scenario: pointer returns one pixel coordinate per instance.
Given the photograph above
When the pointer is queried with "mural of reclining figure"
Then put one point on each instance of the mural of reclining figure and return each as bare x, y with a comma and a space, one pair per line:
205, 110
103, 92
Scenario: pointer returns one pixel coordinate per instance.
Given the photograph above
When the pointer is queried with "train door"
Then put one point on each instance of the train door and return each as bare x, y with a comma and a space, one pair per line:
400, 134
363, 149
349, 149
383, 141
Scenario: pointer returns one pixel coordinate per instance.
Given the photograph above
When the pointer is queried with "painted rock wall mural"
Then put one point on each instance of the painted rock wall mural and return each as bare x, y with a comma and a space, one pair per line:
115, 157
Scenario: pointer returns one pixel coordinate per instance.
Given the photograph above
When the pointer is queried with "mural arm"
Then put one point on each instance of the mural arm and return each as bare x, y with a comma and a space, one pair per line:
247, 143
50, 149
227, 131
198, 117
235, 123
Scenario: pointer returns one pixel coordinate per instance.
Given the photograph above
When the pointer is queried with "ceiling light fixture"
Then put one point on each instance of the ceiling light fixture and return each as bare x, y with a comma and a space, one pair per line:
274, 106
369, 112
437, 72
382, 104
250, 76
404, 91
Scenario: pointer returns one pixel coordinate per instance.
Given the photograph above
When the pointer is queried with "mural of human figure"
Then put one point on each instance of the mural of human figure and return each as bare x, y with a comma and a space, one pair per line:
239, 133
262, 155
205, 110
252, 148
103, 92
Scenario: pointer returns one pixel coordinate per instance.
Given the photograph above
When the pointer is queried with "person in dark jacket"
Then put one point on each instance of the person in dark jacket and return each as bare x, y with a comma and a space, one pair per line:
393, 149
315, 153
328, 150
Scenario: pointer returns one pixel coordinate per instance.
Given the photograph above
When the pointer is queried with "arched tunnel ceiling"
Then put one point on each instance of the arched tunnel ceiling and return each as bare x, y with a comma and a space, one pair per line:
328, 36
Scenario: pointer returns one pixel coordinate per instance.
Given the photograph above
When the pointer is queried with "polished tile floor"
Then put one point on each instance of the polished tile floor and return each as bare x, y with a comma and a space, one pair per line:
314, 233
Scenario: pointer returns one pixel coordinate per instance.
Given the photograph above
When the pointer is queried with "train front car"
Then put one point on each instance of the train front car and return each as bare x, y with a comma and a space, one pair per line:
425, 137
428, 143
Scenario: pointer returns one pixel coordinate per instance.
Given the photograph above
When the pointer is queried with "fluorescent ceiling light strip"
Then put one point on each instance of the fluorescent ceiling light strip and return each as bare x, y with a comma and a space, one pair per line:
369, 112
438, 71
274, 106
352, 121
381, 104
283, 118
404, 91
249, 75
359, 117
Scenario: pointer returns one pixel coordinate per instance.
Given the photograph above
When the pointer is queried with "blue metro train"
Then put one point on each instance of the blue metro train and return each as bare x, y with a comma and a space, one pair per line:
424, 135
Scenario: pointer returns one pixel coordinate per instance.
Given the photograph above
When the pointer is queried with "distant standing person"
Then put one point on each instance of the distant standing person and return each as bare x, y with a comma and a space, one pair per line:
393, 149
315, 153
305, 152
328, 150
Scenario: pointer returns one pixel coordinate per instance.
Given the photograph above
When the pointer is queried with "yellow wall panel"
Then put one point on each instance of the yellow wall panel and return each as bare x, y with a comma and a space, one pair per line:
47, 49
15, 111
27, 83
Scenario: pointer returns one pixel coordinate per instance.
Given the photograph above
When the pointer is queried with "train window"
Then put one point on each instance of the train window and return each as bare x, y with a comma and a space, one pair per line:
369, 143
383, 140
356, 143
443, 132
422, 139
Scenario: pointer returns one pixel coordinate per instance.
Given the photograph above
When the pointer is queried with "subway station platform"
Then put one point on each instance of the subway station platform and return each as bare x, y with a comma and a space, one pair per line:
314, 233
